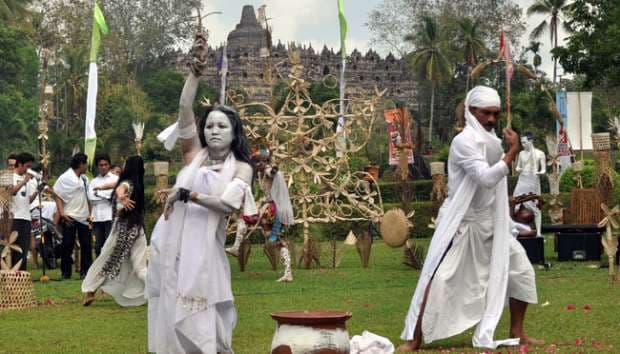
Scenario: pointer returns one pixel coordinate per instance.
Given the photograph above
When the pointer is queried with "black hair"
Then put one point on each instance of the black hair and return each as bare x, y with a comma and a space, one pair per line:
11, 157
239, 146
78, 159
529, 135
133, 173
102, 156
23, 158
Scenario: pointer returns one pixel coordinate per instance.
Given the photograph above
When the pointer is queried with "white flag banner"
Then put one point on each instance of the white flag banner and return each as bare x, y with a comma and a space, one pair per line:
579, 122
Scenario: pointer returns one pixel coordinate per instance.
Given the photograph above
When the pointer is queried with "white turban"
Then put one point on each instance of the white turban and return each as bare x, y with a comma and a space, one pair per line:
482, 97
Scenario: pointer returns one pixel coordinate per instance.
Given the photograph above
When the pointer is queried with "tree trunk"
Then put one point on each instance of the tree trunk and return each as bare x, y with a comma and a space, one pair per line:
430, 124
555, 59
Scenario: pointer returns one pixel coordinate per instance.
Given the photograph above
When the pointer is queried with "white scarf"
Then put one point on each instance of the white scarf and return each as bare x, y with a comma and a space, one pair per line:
192, 285
280, 196
454, 210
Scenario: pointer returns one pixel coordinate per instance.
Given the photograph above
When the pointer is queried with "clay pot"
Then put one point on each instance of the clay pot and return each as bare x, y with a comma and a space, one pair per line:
302, 332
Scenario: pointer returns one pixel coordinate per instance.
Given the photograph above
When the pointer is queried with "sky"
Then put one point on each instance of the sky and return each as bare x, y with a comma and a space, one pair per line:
315, 22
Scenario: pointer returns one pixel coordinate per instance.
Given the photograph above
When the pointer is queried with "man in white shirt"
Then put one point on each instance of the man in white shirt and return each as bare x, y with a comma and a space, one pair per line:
10, 162
23, 194
73, 209
474, 266
101, 201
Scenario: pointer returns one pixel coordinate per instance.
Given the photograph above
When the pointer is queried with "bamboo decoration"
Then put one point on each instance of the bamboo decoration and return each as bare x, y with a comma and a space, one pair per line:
609, 240
302, 139
523, 70
8, 247
138, 130
414, 255
556, 212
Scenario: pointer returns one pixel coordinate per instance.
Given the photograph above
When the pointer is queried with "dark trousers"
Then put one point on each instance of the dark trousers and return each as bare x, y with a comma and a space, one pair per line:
23, 228
69, 232
101, 230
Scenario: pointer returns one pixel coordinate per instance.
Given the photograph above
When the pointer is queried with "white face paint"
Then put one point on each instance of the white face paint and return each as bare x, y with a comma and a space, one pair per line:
218, 131
526, 143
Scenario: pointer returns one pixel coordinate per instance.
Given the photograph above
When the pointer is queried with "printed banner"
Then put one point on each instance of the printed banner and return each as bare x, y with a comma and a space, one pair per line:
394, 117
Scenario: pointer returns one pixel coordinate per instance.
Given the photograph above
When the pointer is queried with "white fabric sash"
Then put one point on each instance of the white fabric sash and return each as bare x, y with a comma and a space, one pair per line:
190, 245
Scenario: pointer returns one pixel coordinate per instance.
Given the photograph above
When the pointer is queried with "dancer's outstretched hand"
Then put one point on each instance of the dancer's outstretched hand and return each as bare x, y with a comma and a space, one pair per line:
172, 195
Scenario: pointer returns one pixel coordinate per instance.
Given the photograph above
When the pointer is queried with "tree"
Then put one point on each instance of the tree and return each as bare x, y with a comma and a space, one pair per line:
594, 47
391, 20
534, 47
472, 44
555, 11
429, 59
18, 91
14, 10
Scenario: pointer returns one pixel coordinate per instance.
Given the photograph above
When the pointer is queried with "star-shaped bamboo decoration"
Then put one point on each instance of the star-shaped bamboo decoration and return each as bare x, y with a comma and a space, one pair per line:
5, 257
609, 241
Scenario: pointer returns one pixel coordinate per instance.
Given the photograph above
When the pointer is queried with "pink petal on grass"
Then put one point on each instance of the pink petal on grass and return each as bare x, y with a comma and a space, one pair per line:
597, 344
570, 307
587, 308
524, 348
551, 349
366, 306
578, 342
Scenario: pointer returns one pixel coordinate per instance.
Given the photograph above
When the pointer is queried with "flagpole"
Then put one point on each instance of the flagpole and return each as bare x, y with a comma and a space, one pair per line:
340, 127
223, 74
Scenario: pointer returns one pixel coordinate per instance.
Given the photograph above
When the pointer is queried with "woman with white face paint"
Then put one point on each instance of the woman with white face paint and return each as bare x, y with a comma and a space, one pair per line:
191, 307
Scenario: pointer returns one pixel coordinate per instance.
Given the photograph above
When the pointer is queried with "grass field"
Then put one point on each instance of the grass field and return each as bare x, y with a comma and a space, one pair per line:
579, 310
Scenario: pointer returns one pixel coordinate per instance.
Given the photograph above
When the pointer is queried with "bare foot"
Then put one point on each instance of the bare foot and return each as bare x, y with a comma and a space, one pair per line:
525, 339
90, 297
409, 346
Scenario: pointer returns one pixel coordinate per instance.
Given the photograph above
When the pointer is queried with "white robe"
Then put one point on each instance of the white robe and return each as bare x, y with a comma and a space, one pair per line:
191, 306
473, 261
128, 289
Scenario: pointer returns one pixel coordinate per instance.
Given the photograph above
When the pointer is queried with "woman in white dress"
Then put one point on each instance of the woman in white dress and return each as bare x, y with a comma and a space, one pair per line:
120, 269
191, 307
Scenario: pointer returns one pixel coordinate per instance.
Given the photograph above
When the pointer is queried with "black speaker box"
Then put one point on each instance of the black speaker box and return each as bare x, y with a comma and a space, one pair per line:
583, 246
534, 248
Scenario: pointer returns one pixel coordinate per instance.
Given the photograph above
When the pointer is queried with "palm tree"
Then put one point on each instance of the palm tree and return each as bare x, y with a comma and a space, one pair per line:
554, 10
534, 47
473, 44
429, 59
12, 10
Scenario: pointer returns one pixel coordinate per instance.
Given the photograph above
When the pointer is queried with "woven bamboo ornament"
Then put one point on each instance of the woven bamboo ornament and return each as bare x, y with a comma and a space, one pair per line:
609, 240
604, 175
302, 138
395, 228
8, 247
16, 291
578, 169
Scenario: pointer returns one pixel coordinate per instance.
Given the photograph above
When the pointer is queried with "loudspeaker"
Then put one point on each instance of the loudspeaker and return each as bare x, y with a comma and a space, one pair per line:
534, 248
583, 246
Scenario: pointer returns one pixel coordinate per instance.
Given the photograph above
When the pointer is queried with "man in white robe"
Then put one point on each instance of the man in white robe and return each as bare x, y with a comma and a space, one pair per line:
474, 265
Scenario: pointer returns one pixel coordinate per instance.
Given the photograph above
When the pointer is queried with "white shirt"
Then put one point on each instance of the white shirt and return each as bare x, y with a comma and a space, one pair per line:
20, 202
466, 159
72, 190
101, 202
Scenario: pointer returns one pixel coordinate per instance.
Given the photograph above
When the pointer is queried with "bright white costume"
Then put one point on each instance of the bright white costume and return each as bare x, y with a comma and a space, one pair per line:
191, 307
530, 164
473, 261
120, 269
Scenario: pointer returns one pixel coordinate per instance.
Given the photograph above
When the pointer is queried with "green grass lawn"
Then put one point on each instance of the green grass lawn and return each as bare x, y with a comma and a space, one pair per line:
378, 297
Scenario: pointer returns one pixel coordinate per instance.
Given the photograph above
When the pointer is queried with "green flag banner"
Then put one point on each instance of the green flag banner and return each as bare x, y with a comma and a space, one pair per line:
343, 29
99, 27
